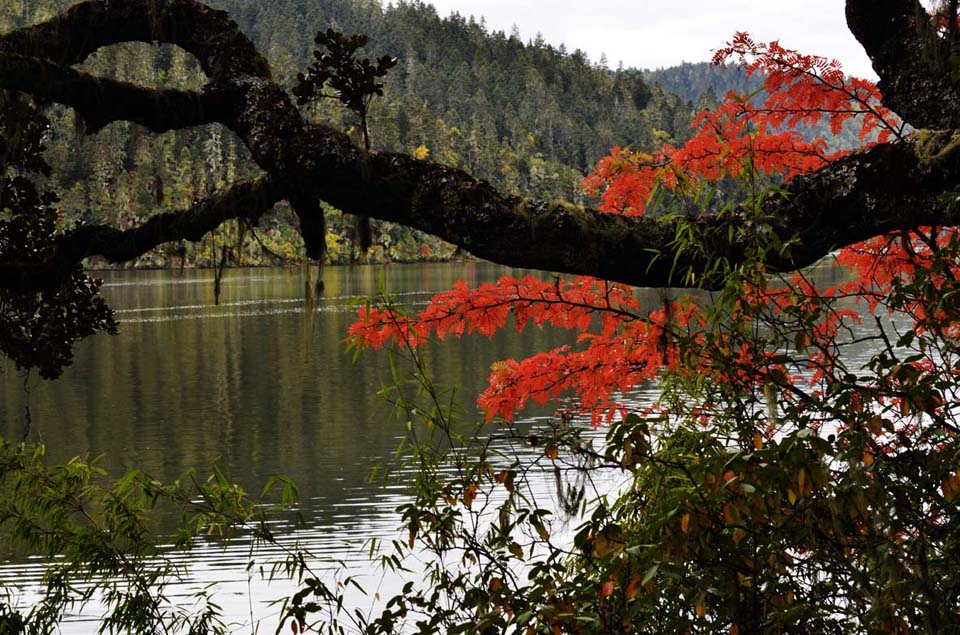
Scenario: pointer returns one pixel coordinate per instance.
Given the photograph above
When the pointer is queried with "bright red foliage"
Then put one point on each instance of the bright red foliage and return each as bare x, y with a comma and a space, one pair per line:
800, 90
618, 347
806, 89
621, 347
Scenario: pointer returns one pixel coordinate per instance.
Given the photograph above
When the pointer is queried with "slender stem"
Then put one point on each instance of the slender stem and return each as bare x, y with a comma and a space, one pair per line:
952, 26
363, 128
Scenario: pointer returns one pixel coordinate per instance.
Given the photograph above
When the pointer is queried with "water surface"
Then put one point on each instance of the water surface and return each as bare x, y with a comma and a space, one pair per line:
261, 387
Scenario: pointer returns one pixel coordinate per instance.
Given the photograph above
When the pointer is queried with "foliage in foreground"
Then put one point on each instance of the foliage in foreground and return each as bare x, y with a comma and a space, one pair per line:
106, 546
38, 329
800, 472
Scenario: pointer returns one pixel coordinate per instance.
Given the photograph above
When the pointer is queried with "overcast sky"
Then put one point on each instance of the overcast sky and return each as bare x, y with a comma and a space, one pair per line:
647, 34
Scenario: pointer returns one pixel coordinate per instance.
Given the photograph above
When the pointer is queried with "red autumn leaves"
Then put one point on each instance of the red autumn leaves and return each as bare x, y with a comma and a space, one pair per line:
618, 346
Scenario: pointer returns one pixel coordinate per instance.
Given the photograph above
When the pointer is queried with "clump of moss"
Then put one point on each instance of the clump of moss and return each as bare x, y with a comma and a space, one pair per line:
936, 146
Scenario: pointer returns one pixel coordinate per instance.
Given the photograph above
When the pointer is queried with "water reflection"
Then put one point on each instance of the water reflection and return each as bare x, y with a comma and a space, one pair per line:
260, 388
263, 389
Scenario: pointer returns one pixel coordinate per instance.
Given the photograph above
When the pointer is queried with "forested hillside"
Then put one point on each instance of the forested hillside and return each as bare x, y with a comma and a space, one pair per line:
691, 82
530, 117
704, 85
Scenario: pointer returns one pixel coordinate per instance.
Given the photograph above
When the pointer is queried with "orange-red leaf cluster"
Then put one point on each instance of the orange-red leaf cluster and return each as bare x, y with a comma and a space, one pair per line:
618, 346
799, 92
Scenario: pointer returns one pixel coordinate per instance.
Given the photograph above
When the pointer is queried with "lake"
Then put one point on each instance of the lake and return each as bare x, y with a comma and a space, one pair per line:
260, 387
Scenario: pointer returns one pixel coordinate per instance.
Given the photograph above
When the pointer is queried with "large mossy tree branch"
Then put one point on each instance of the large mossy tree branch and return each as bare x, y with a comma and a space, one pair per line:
866, 194
911, 60
101, 101
247, 200
222, 50
885, 188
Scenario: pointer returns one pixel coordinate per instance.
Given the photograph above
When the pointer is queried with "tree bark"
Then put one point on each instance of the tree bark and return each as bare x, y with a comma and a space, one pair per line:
899, 39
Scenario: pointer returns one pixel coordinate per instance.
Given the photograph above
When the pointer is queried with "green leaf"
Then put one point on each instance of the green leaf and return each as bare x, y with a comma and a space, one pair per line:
651, 572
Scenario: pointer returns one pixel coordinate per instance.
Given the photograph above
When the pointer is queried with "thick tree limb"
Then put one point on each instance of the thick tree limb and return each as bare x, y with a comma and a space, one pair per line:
866, 194
882, 189
249, 200
898, 37
260, 112
100, 101
208, 34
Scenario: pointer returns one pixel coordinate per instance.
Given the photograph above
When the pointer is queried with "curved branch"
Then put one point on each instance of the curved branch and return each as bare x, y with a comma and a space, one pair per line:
100, 101
260, 112
249, 200
208, 34
899, 38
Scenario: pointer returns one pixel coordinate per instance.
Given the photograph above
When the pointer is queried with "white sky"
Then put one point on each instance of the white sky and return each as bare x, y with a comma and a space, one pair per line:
646, 34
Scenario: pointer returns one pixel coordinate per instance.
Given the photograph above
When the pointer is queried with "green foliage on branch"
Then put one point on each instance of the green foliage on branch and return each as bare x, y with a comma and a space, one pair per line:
38, 328
355, 82
105, 544
799, 473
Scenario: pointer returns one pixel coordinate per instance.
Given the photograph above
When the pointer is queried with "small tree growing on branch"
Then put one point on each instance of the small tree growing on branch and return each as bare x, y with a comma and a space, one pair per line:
355, 82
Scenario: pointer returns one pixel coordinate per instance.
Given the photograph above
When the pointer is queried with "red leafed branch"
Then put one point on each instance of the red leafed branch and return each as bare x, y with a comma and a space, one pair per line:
806, 89
798, 90
618, 346
621, 345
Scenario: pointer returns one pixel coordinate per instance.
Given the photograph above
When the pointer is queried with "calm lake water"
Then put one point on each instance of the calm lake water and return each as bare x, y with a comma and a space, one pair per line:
261, 388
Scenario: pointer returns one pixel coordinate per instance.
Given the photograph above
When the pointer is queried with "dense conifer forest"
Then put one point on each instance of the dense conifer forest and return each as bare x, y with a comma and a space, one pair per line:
530, 117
